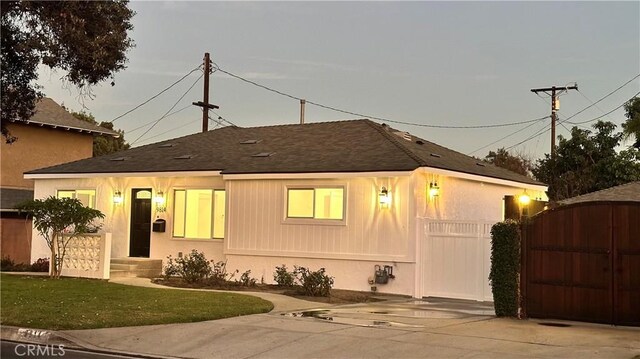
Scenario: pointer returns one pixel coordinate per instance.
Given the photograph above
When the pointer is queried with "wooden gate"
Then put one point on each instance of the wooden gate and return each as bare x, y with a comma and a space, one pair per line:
582, 262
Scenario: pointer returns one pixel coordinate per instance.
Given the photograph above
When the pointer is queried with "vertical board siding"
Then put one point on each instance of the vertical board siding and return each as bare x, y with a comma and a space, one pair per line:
456, 259
258, 225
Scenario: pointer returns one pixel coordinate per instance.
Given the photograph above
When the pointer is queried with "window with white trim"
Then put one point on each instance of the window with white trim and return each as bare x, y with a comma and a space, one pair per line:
198, 213
86, 196
316, 203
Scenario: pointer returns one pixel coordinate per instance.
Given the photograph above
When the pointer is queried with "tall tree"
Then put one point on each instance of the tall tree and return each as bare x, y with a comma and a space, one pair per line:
103, 144
517, 163
587, 162
88, 40
631, 127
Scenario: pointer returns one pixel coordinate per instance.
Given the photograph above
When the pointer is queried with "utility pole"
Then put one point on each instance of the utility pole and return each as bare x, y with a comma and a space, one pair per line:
555, 106
302, 102
205, 97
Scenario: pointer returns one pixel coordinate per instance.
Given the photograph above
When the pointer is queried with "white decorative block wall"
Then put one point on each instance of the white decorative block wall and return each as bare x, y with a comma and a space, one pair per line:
88, 256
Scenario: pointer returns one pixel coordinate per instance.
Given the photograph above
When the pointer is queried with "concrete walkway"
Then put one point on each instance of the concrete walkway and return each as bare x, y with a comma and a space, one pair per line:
281, 303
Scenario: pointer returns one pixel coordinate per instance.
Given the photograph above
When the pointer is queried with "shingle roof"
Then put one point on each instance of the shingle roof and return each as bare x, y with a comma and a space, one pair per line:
49, 113
340, 146
10, 197
625, 192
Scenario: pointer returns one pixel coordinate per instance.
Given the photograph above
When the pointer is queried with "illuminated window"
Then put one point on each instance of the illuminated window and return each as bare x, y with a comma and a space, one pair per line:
86, 196
315, 203
199, 213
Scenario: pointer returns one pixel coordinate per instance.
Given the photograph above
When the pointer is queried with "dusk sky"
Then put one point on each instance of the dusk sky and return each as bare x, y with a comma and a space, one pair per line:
430, 63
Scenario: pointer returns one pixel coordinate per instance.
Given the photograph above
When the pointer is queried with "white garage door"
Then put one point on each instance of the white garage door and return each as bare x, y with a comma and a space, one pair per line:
456, 259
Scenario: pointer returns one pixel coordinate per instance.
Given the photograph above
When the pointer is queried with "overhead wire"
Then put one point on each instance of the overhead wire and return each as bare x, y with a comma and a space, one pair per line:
383, 119
595, 103
168, 111
158, 94
150, 122
507, 136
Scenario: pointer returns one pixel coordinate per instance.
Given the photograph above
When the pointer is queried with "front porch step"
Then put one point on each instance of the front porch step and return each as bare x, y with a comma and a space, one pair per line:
135, 267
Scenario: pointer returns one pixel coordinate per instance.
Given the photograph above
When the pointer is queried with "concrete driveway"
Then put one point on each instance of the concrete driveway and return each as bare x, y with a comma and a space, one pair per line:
394, 329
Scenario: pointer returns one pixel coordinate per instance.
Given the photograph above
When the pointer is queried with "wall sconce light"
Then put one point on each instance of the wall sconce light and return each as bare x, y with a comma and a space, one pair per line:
524, 198
385, 197
117, 197
160, 201
434, 190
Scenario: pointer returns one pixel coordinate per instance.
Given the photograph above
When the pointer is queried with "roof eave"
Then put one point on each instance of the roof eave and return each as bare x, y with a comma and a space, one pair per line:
70, 128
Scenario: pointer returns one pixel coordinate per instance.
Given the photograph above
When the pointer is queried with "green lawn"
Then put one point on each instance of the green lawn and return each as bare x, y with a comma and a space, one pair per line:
73, 303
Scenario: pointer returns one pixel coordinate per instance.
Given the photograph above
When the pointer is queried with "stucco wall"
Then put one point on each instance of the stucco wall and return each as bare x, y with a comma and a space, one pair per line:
39, 147
465, 199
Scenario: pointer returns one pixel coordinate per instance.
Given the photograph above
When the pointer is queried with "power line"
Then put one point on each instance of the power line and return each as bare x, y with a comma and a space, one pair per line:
507, 136
150, 122
383, 119
173, 129
224, 119
168, 111
158, 94
595, 103
608, 113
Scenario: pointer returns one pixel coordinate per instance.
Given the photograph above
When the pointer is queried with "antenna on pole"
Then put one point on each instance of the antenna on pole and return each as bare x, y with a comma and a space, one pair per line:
302, 103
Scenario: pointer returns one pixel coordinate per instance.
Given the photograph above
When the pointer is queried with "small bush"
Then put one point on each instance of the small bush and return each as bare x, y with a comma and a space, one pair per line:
193, 268
505, 267
283, 277
246, 280
41, 265
316, 284
219, 275
7, 264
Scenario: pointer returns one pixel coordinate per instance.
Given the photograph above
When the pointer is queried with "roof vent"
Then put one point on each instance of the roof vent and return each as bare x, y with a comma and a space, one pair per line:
263, 154
118, 159
164, 145
480, 164
183, 157
250, 142
435, 155
404, 135
420, 142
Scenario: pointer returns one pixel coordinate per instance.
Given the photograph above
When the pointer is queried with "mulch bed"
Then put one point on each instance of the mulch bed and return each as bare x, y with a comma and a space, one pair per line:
338, 296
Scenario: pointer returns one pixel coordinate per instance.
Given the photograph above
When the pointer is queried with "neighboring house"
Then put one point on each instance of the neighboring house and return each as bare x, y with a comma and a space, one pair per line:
50, 137
345, 195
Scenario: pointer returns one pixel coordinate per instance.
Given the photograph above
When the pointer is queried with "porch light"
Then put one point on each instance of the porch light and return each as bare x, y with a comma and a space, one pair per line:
160, 201
434, 190
524, 199
385, 198
117, 197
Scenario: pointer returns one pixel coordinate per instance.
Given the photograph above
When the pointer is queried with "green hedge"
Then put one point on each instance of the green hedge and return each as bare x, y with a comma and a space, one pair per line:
505, 267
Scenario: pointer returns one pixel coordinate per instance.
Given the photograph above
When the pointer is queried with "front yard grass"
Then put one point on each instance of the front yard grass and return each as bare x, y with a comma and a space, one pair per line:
73, 303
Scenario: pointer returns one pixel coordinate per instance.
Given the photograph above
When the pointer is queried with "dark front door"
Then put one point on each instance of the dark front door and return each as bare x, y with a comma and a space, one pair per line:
140, 235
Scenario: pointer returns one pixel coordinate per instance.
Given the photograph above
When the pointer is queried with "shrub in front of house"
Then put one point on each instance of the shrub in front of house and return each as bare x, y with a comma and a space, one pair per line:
505, 267
246, 280
41, 265
315, 284
9, 265
283, 277
192, 268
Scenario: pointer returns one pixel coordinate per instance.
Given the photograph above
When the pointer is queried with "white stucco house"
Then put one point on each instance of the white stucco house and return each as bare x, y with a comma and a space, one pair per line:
347, 196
